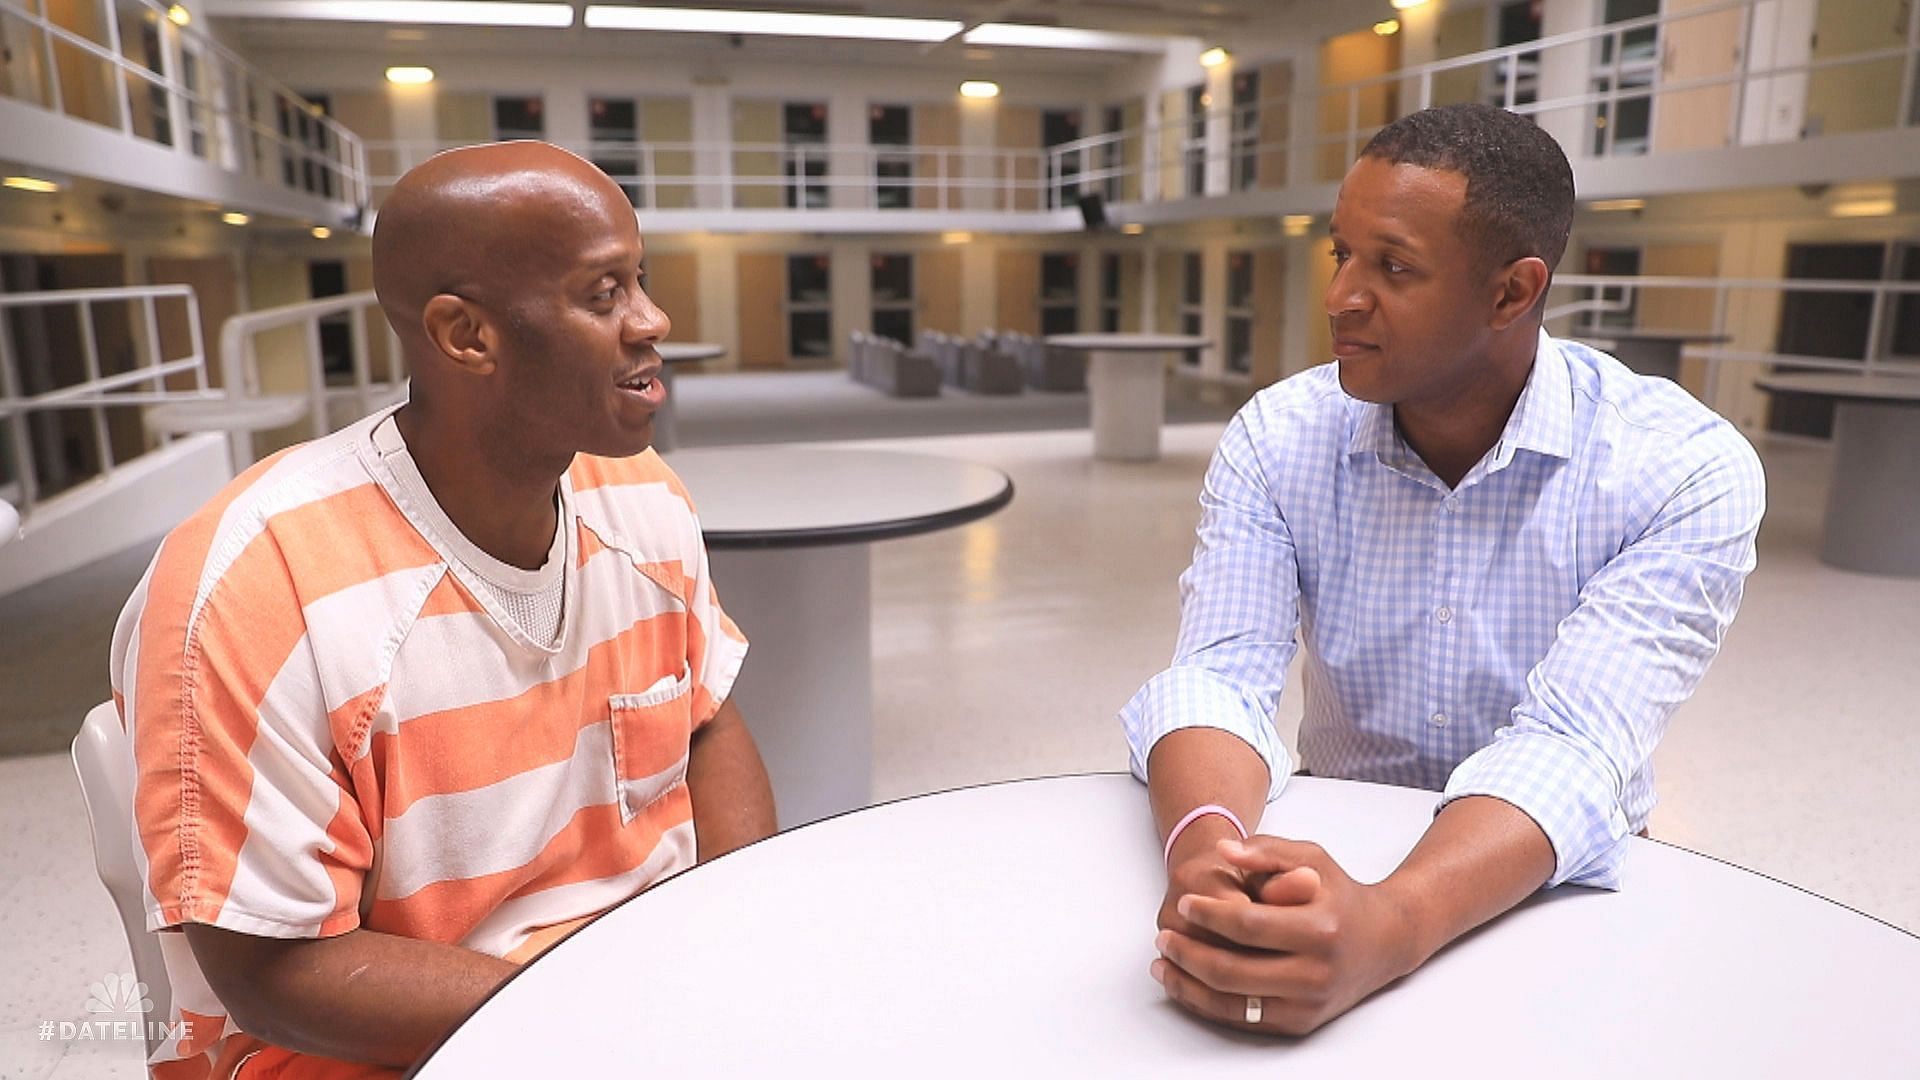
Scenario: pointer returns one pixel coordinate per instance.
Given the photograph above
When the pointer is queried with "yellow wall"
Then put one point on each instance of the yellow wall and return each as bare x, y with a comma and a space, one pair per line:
669, 120
1349, 58
1017, 288
763, 323
757, 122
1855, 97
936, 288
673, 281
1697, 48
1462, 31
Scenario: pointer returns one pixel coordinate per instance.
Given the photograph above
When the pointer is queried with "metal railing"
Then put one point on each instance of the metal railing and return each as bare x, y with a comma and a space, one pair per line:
1734, 316
1585, 85
1614, 70
24, 407
137, 71
242, 405
326, 405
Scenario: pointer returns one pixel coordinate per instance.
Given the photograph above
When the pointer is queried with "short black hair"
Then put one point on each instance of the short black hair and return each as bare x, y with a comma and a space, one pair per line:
1519, 185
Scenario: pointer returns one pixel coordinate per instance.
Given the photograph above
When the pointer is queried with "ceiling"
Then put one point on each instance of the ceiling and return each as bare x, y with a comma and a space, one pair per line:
1208, 20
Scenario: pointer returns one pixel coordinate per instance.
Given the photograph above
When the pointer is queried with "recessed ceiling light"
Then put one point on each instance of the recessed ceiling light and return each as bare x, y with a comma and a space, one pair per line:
777, 23
1407, 5
1611, 205
1133, 228
178, 15
234, 217
31, 183
321, 232
1387, 27
979, 88
432, 12
1213, 57
1864, 208
956, 238
409, 76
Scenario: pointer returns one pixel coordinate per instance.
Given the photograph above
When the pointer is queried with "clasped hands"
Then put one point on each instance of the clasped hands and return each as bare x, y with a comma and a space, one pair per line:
1277, 920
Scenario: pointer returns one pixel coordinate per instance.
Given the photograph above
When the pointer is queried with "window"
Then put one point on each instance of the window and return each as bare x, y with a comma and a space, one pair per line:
303, 129
809, 305
1110, 293
324, 279
1621, 125
1198, 102
1519, 22
1059, 293
891, 126
803, 126
1059, 126
1192, 297
613, 131
1246, 130
1240, 312
1612, 262
893, 297
519, 118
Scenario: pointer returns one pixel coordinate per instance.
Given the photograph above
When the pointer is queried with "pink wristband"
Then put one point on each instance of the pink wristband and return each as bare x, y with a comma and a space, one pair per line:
1194, 815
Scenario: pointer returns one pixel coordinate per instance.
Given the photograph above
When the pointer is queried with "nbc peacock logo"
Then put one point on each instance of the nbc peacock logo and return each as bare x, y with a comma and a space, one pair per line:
120, 995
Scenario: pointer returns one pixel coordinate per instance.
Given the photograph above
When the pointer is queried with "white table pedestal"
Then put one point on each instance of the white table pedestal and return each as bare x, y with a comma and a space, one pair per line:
806, 689
1128, 392
1873, 503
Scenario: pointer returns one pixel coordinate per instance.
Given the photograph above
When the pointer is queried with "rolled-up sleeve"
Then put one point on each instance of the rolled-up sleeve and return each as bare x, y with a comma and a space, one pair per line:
1238, 617
1644, 631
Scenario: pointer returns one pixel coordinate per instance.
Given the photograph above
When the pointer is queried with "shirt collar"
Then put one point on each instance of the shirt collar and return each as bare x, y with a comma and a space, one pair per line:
1542, 420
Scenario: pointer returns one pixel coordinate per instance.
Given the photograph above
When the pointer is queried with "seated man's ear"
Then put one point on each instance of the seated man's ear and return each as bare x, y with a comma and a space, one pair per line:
461, 333
1522, 283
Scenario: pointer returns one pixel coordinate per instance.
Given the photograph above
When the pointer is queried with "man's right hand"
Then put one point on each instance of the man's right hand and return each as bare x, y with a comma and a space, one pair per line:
1195, 867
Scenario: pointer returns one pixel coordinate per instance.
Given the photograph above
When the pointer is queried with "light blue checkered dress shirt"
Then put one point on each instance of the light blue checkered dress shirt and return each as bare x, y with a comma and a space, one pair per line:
1525, 635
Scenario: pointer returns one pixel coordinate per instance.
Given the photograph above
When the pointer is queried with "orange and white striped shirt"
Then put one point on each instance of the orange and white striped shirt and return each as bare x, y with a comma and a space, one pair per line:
336, 725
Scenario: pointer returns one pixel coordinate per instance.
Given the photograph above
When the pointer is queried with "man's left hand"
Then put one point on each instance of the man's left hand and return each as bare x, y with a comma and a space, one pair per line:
1310, 942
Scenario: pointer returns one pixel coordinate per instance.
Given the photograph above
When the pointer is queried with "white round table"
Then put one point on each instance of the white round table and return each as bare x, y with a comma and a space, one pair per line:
665, 434
1006, 931
788, 529
1873, 500
1127, 387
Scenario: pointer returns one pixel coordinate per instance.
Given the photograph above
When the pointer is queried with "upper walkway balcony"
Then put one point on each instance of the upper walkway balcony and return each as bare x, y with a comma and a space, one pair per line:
1721, 95
130, 93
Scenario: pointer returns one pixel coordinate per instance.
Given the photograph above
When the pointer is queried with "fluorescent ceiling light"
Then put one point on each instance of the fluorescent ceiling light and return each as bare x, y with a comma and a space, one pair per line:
1864, 208
235, 218
1133, 229
1605, 205
1213, 57
777, 23
1407, 5
31, 183
1296, 224
956, 238
1062, 37
979, 88
321, 232
1387, 27
178, 15
409, 76
437, 12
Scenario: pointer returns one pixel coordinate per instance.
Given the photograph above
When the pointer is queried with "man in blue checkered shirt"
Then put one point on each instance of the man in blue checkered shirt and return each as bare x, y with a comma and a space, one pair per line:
1509, 559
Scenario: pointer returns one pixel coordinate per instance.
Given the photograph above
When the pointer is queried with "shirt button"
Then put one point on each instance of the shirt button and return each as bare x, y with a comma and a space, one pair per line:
1452, 503
1439, 719
1445, 615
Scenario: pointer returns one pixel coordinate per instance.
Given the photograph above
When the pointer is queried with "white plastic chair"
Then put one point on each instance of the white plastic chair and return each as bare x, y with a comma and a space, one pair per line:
103, 759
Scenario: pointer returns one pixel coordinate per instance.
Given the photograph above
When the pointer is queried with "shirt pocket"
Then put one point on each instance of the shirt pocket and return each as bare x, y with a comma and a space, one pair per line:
652, 732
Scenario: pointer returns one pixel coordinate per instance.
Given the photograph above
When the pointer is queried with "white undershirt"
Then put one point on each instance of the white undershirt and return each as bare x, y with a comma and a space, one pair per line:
534, 600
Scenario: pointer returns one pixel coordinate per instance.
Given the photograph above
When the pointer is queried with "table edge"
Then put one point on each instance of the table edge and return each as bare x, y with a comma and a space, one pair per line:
414, 1069
828, 535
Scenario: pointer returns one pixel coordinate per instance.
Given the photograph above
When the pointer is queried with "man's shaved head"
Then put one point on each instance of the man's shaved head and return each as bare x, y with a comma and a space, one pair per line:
479, 222
512, 274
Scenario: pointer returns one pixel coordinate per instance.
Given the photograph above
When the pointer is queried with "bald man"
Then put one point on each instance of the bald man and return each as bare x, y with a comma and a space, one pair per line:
412, 701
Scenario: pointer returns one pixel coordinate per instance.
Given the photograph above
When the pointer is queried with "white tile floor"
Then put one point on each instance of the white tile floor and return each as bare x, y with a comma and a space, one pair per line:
1004, 648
